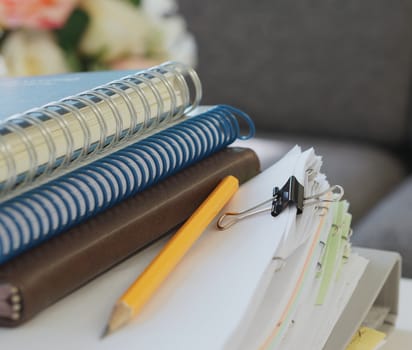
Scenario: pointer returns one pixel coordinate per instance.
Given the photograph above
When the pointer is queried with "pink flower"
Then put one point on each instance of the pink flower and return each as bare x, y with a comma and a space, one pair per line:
38, 14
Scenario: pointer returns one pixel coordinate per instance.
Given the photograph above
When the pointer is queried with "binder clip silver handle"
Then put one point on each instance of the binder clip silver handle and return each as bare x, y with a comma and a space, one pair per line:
229, 219
292, 193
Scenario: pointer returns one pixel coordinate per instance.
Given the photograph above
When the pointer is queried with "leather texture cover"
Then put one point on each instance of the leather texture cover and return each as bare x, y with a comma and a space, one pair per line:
64, 263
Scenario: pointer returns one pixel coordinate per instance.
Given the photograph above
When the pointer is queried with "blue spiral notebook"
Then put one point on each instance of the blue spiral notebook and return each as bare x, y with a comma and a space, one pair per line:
69, 160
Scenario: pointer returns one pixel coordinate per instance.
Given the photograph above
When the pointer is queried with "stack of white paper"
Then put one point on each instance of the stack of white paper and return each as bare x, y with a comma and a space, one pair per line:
229, 291
306, 297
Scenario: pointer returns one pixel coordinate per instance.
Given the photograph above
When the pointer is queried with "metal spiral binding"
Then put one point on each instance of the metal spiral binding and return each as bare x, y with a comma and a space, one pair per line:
150, 98
57, 205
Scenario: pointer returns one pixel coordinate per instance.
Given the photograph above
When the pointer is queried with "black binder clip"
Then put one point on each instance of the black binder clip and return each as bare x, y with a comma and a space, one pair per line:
291, 193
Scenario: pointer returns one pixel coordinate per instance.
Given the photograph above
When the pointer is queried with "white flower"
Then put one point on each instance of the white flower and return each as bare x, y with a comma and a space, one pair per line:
32, 52
177, 42
159, 8
117, 29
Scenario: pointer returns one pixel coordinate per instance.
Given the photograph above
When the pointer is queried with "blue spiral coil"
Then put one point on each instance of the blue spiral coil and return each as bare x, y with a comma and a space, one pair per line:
49, 209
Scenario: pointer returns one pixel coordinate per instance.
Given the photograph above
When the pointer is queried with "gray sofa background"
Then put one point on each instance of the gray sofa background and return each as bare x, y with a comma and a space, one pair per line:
331, 74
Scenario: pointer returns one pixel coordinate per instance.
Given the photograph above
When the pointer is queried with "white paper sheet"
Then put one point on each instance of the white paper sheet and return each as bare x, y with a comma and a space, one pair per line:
285, 283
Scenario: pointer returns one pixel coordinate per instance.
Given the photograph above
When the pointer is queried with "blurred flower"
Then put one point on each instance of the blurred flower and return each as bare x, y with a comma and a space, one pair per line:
177, 41
117, 29
133, 62
38, 14
159, 8
3, 67
32, 53
53, 36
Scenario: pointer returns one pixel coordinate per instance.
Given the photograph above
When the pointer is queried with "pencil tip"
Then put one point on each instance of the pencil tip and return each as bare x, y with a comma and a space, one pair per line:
121, 314
106, 332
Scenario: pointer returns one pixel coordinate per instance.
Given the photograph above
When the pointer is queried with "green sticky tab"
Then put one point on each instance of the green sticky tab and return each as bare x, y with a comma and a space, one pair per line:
333, 254
347, 220
334, 208
345, 246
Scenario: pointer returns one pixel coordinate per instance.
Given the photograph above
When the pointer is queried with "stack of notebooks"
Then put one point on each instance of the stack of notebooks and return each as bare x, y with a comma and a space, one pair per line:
90, 179
274, 270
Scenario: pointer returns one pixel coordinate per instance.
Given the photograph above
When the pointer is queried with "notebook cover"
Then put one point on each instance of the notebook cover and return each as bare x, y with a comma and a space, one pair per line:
23, 93
64, 263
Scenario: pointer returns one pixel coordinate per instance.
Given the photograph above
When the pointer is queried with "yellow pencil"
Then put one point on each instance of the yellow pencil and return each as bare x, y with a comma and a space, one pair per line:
130, 304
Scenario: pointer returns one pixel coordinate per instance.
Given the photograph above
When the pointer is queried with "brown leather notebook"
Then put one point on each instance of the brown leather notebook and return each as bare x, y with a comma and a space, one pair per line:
36, 279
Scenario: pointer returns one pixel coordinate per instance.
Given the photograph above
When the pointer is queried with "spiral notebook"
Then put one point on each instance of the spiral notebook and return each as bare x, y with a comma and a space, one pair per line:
45, 140
70, 160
